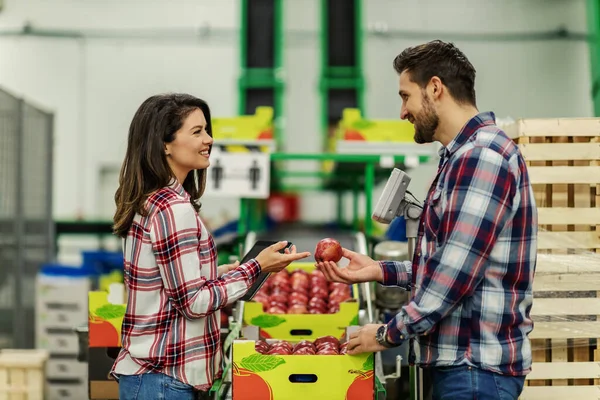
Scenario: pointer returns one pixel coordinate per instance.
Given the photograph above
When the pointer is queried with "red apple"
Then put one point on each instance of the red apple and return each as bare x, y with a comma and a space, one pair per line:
317, 302
262, 347
328, 249
282, 344
276, 310
303, 343
319, 291
297, 309
279, 351
327, 339
344, 348
305, 351
298, 298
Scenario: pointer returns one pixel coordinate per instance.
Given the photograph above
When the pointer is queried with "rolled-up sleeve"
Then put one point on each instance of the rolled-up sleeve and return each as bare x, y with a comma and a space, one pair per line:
396, 273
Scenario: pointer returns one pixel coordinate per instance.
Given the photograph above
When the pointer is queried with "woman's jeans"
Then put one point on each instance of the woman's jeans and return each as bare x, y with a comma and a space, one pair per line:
155, 386
469, 383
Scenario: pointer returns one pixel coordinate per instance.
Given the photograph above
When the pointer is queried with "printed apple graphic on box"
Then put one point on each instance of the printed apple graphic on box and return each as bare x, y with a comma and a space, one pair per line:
269, 376
104, 321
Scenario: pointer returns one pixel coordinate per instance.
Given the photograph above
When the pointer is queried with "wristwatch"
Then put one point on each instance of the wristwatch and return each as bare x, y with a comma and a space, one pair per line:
381, 337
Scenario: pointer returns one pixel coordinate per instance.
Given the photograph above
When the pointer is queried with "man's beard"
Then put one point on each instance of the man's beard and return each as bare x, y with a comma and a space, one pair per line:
426, 123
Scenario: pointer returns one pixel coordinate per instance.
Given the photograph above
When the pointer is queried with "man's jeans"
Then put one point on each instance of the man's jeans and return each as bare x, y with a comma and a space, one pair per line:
154, 386
469, 383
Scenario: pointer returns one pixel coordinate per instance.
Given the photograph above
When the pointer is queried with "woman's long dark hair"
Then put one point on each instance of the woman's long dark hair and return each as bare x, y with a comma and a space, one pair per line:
145, 168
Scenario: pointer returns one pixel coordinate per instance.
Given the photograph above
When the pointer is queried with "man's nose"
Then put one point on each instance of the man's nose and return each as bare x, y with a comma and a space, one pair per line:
403, 113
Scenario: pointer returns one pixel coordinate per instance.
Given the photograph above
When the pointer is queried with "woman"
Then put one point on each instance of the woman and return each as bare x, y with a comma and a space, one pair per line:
170, 334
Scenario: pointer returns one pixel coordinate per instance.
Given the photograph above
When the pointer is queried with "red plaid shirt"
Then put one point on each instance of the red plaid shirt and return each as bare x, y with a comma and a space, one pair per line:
172, 323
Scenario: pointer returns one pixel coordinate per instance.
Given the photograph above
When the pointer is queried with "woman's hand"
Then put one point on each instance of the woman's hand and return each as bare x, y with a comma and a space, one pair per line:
271, 260
225, 268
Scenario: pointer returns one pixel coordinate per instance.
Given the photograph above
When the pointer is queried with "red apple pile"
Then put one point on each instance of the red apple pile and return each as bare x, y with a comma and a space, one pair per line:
302, 293
326, 345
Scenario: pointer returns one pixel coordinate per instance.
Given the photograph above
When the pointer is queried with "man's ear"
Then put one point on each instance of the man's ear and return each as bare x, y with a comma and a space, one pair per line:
435, 87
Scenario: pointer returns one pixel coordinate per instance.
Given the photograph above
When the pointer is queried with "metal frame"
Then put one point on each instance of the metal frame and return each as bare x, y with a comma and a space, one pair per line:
247, 220
340, 77
22, 125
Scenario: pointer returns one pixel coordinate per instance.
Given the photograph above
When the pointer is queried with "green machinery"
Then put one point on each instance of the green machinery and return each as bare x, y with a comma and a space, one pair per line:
593, 15
357, 153
352, 147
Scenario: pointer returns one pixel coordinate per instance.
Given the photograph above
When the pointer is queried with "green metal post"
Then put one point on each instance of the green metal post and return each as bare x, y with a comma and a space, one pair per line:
355, 194
278, 73
243, 57
369, 186
593, 16
359, 55
340, 208
347, 76
243, 220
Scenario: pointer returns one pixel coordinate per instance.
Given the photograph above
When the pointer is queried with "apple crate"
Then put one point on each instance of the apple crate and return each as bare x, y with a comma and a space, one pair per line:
563, 157
259, 376
303, 326
22, 374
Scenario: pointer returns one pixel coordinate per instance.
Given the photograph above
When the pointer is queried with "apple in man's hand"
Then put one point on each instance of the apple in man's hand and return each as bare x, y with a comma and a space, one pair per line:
328, 249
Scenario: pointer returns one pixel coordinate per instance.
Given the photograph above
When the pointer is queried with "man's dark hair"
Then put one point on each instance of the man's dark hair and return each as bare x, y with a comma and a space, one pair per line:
441, 59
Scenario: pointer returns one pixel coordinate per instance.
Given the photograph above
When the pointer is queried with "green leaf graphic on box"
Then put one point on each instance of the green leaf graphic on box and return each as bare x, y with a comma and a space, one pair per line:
267, 321
354, 321
368, 365
110, 311
261, 363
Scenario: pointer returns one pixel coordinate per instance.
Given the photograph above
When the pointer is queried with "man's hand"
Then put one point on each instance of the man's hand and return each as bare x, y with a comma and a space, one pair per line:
225, 268
364, 340
361, 268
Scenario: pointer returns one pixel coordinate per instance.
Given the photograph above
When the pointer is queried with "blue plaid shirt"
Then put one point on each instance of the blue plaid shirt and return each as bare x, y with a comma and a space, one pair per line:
475, 256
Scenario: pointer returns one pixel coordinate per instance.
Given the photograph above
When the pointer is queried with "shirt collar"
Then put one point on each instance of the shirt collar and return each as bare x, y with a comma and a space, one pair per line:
472, 126
178, 188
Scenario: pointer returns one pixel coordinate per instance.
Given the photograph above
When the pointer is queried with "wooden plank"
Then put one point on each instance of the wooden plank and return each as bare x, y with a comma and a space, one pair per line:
585, 262
568, 240
560, 393
564, 175
560, 151
536, 127
564, 370
565, 215
565, 330
580, 348
597, 359
566, 306
567, 282
560, 354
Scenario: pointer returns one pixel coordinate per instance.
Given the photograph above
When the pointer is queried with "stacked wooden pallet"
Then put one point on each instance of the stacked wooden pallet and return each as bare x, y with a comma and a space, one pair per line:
22, 374
563, 156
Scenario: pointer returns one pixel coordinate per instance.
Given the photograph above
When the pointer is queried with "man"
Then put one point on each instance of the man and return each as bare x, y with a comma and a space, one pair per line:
475, 254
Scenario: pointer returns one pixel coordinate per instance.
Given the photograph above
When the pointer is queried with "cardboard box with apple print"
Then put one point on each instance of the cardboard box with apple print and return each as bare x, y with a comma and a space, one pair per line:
104, 330
104, 320
289, 326
259, 376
